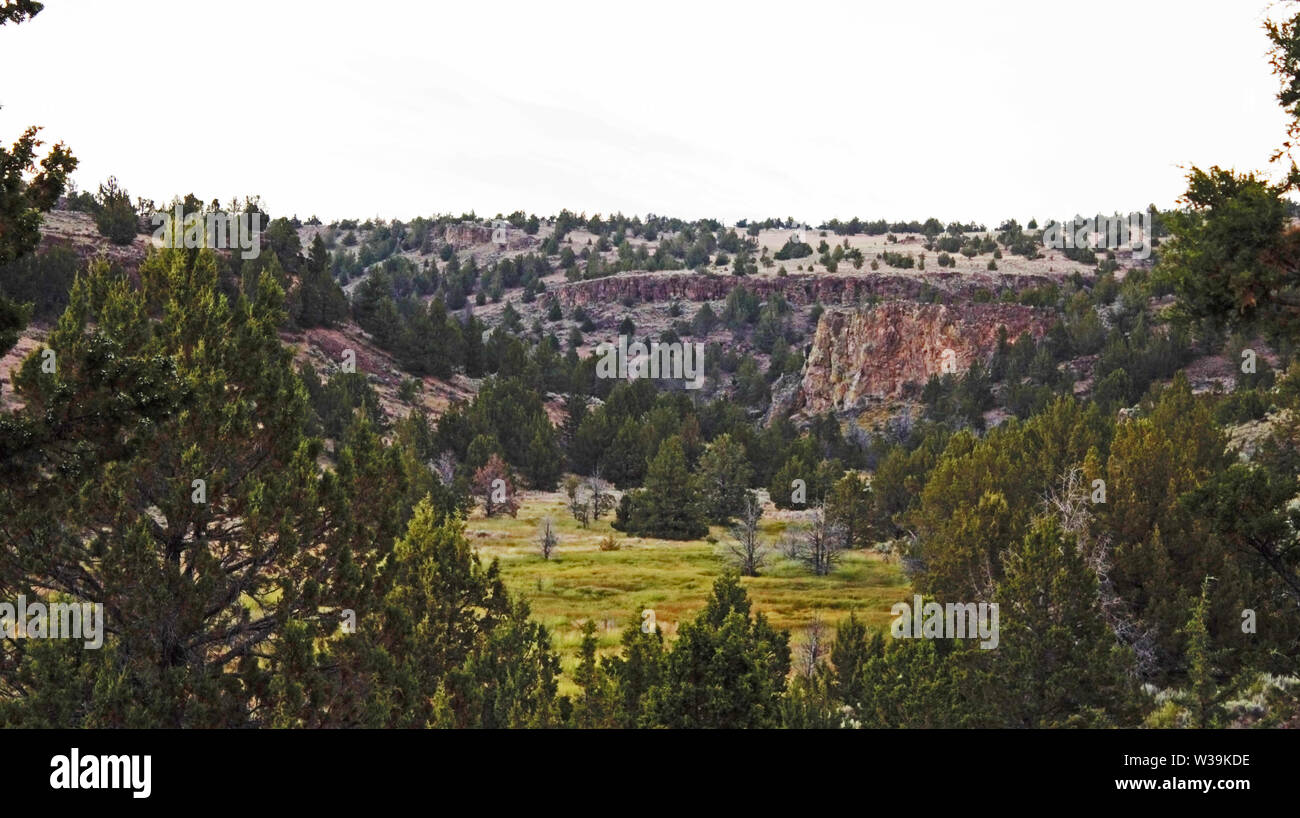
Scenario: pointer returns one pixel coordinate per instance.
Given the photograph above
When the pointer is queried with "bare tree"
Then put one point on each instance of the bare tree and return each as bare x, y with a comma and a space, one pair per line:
820, 543
589, 499
748, 551
547, 539
815, 646
788, 544
579, 507
444, 467
1071, 503
599, 495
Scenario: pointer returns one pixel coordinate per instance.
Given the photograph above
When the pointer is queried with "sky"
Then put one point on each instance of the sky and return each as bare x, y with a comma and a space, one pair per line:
816, 110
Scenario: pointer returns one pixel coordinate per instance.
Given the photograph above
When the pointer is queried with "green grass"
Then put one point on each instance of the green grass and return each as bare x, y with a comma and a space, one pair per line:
581, 582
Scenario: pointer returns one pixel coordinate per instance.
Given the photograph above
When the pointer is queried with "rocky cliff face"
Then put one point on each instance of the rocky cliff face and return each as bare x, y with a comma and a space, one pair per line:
867, 356
468, 234
799, 290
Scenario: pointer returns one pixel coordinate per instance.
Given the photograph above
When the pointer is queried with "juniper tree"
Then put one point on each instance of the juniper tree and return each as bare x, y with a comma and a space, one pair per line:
1201, 695
727, 669
723, 475
634, 673
595, 706
542, 462
624, 459
668, 506
848, 504
793, 486
853, 647
115, 216
446, 646
161, 469
1057, 663
25, 193
163, 472
320, 301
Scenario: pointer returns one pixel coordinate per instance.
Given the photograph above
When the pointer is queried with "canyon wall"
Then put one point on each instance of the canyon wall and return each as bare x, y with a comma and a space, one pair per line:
867, 356
799, 290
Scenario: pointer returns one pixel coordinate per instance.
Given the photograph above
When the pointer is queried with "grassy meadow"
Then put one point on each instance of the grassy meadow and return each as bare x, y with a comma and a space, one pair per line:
581, 582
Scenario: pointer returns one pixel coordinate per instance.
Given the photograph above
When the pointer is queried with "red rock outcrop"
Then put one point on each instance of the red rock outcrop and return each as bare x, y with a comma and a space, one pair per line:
797, 289
467, 234
867, 356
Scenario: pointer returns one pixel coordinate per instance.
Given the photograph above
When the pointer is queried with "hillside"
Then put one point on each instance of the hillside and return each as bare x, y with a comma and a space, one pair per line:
847, 380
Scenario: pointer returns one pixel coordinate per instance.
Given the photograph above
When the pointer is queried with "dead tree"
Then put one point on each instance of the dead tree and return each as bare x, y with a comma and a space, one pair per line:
1071, 503
820, 544
495, 486
578, 505
814, 648
547, 540
600, 496
748, 550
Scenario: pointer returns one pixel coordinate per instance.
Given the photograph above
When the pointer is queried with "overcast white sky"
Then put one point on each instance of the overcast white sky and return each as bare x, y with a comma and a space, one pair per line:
895, 110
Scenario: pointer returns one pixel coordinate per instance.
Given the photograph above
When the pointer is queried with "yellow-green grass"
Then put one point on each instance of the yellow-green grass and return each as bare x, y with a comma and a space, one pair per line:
580, 582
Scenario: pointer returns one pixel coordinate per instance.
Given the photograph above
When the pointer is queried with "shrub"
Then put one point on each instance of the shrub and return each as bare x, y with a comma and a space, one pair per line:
903, 261
408, 390
793, 250
116, 219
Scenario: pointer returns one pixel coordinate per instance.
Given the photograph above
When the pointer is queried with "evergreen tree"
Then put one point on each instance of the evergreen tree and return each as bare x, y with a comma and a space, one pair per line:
595, 705
543, 462
854, 647
189, 494
723, 478
1057, 664
669, 504
785, 486
727, 668
25, 194
320, 301
1202, 695
848, 508
636, 671
115, 216
624, 462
